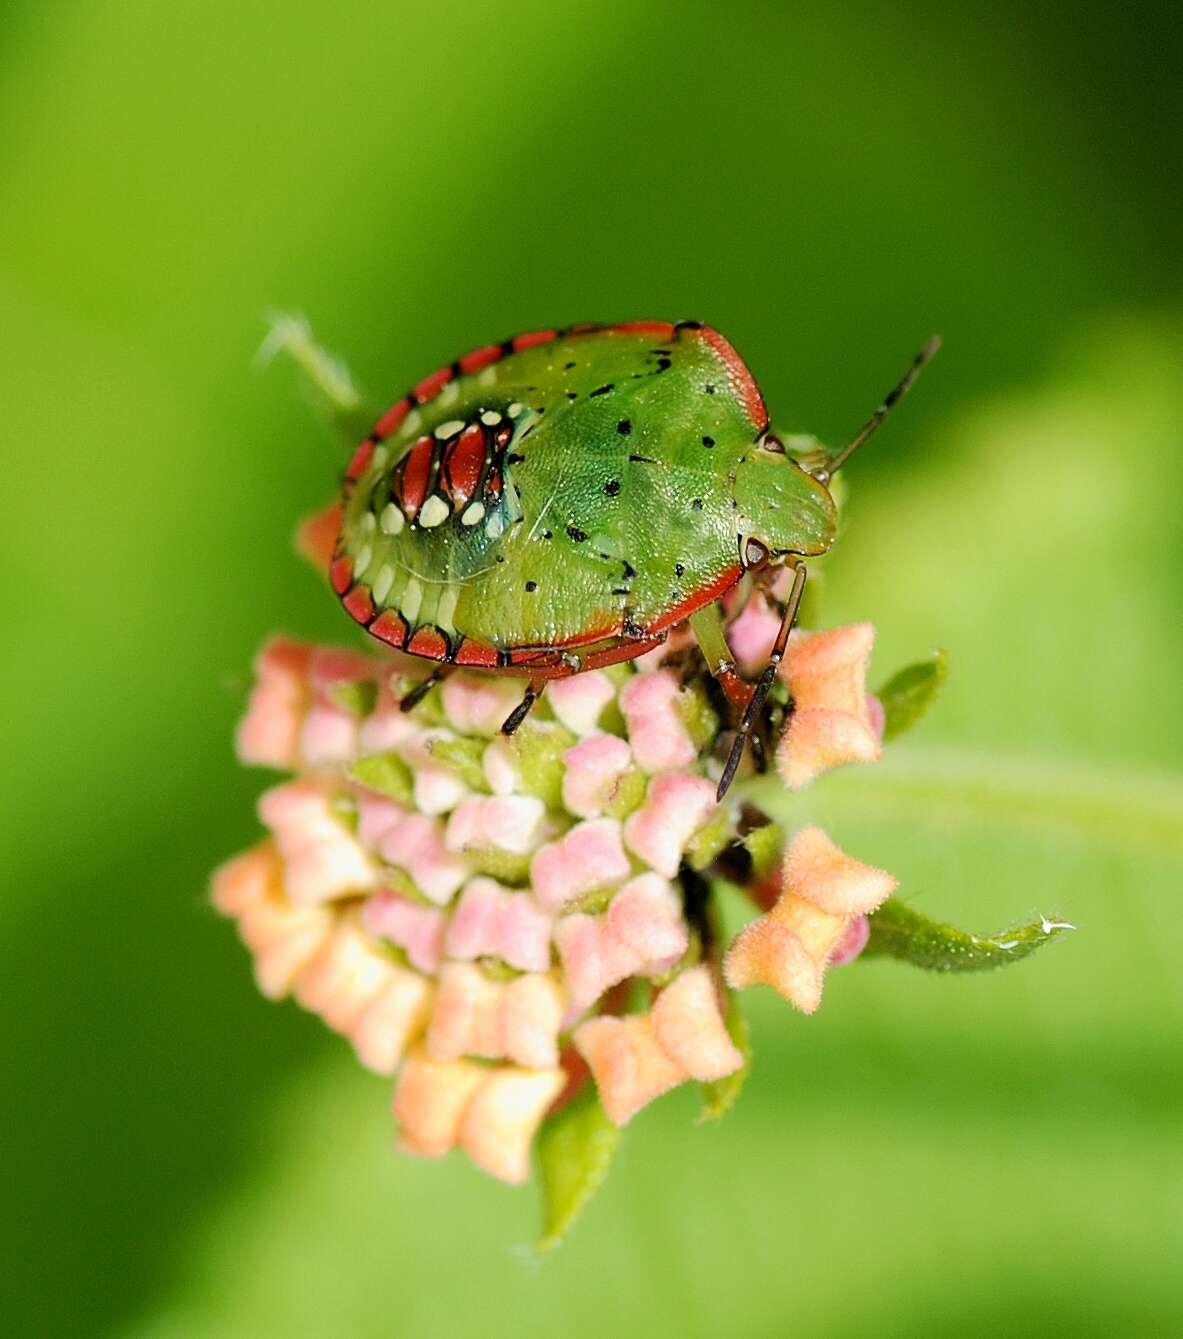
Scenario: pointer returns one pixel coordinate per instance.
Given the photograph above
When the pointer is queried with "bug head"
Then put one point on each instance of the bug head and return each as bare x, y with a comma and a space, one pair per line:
782, 509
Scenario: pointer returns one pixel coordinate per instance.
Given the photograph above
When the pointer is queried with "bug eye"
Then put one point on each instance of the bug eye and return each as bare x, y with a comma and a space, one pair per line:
773, 444
755, 554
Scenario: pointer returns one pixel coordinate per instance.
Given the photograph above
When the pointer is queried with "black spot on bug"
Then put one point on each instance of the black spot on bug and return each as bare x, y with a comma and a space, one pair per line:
572, 395
612, 487
624, 427
602, 390
548, 534
629, 626
540, 409
568, 366
642, 460
664, 364
629, 570
576, 534
531, 585
501, 557
663, 352
688, 325
679, 570
696, 504
708, 441
514, 458
620, 590
710, 390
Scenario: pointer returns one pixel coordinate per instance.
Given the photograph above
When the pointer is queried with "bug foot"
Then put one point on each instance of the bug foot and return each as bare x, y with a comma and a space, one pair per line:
522, 710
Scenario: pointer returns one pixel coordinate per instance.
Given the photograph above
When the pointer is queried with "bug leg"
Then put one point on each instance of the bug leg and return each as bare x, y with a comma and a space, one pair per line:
522, 710
759, 696
325, 378
707, 626
409, 701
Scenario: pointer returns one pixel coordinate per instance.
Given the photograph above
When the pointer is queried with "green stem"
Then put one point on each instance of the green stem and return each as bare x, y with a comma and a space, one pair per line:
899, 932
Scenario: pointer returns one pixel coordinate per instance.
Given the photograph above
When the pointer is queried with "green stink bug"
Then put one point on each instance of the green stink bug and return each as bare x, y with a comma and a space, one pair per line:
560, 501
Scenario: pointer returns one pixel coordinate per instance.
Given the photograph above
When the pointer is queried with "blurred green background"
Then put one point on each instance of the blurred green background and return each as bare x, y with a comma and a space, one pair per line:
985, 1155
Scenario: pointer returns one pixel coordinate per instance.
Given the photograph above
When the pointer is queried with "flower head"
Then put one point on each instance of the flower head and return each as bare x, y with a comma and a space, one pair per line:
458, 903
493, 918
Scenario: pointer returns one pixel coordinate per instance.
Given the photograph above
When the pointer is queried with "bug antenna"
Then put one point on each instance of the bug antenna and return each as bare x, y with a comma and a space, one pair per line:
831, 466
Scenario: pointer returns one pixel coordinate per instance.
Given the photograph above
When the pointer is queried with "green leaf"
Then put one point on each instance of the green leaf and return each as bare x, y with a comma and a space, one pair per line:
906, 696
575, 1148
899, 932
386, 773
719, 1096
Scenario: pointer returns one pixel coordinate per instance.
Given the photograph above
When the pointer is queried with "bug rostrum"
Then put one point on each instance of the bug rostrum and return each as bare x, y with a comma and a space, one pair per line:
560, 501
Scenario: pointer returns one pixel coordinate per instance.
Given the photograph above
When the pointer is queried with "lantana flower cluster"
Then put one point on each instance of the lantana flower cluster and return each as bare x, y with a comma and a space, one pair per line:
497, 921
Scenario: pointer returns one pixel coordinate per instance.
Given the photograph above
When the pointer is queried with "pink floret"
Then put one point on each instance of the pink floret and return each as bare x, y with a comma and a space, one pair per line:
476, 704
416, 844
852, 943
417, 929
594, 767
579, 701
492, 921
675, 808
656, 730
590, 856
328, 735
752, 634
641, 932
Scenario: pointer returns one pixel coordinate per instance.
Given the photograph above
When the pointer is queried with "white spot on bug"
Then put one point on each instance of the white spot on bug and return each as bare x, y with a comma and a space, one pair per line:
496, 526
383, 582
488, 377
445, 610
392, 519
412, 422
378, 459
435, 511
449, 429
490, 418
367, 521
448, 394
412, 599
474, 513
362, 561
515, 409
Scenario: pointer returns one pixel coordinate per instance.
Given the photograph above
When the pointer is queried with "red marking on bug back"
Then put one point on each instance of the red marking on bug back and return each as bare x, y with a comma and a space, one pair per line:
360, 603
361, 458
430, 642
478, 654
463, 463
341, 573
741, 379
416, 471
479, 359
431, 386
393, 417
723, 582
533, 337
662, 330
390, 627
